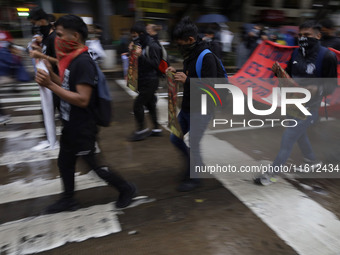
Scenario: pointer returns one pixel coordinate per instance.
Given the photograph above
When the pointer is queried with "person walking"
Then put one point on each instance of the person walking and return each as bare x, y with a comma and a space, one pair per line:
76, 88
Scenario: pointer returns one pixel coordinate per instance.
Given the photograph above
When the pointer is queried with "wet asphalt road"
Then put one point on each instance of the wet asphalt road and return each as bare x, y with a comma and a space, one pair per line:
209, 220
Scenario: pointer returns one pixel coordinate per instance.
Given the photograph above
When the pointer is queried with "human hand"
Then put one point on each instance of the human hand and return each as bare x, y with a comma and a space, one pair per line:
180, 77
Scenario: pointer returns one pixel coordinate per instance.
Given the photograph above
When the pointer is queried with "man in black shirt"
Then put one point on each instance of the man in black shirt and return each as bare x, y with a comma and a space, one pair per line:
329, 39
310, 61
77, 89
149, 56
190, 47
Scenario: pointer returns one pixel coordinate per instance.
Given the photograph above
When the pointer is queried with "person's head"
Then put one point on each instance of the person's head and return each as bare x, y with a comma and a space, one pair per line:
38, 17
186, 32
71, 28
309, 35
151, 29
209, 33
310, 29
328, 28
138, 33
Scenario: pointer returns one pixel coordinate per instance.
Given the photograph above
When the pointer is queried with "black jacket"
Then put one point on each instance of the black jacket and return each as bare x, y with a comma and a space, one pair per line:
302, 67
148, 65
210, 68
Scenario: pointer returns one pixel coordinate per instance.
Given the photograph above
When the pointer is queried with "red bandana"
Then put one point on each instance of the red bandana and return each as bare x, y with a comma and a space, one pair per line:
66, 51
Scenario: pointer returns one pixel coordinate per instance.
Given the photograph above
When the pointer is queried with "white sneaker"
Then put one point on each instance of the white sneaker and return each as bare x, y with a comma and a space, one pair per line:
41, 146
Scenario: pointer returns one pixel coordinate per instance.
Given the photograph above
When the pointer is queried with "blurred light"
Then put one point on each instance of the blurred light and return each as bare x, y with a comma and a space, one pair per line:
23, 14
23, 9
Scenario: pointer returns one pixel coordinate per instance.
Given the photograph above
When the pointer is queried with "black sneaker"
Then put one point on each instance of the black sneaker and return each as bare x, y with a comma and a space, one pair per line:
63, 204
139, 135
125, 197
188, 185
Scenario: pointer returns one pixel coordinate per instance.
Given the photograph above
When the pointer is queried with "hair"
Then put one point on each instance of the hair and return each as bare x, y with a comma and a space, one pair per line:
311, 24
51, 18
327, 23
74, 23
138, 27
185, 29
37, 14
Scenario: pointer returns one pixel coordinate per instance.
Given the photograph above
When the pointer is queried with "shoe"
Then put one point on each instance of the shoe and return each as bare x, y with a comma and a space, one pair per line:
62, 205
4, 119
188, 185
43, 145
125, 197
156, 132
265, 180
139, 135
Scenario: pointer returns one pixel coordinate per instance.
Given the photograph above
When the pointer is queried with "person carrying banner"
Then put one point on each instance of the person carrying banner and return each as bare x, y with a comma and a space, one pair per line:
191, 47
39, 18
309, 61
147, 81
76, 88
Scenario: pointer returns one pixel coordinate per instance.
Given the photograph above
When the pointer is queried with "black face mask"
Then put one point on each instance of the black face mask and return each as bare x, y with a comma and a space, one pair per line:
307, 43
186, 49
45, 30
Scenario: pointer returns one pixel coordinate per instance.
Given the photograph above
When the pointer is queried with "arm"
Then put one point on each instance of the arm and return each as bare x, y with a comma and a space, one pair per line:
81, 98
37, 54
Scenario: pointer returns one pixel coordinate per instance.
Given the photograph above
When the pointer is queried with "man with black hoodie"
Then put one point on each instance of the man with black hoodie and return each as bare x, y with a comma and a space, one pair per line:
190, 47
147, 81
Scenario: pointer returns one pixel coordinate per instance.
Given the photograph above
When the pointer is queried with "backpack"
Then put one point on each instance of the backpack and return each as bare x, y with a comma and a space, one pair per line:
102, 110
199, 64
163, 64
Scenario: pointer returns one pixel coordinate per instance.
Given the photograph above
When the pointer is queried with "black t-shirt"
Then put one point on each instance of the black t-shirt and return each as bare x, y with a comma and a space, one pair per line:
49, 49
79, 123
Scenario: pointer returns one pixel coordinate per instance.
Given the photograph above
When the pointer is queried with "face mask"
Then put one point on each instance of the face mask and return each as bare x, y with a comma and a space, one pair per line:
45, 30
63, 47
307, 43
185, 49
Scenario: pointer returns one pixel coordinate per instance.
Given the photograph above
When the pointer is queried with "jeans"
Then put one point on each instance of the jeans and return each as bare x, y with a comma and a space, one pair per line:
296, 134
195, 137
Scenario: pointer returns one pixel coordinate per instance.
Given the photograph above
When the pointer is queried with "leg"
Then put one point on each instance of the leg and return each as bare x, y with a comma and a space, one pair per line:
151, 104
306, 147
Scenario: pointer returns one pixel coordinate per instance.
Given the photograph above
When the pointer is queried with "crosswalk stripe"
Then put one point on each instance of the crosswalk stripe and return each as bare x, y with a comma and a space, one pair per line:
21, 88
21, 106
26, 133
38, 234
16, 157
19, 100
25, 119
25, 93
301, 222
41, 187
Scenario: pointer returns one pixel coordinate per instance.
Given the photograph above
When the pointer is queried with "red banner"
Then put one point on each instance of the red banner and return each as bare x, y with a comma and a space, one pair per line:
259, 67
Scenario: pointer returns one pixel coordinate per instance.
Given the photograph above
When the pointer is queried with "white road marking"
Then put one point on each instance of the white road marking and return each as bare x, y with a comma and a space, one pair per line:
37, 234
301, 222
29, 108
122, 84
41, 187
16, 157
19, 88
25, 119
19, 100
26, 93
21, 106
26, 133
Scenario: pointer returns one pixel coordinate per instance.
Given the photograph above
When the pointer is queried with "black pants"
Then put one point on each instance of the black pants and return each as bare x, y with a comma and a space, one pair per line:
68, 155
147, 98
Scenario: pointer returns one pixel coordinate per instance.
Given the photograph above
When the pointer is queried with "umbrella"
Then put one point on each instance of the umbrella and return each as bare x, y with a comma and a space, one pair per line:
212, 18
